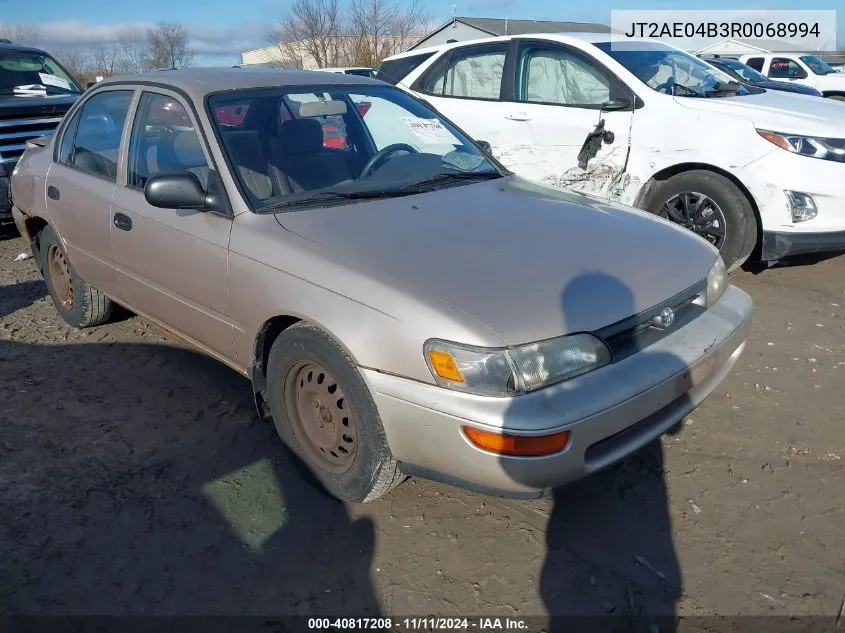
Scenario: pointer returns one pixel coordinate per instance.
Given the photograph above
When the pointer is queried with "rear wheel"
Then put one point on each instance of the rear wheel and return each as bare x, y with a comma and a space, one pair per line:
324, 413
837, 97
78, 304
712, 207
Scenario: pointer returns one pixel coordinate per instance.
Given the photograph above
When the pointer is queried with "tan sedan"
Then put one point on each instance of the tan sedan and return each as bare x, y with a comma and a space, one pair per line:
402, 304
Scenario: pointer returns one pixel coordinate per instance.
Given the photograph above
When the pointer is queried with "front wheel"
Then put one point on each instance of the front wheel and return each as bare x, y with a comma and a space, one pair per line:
324, 413
78, 304
712, 207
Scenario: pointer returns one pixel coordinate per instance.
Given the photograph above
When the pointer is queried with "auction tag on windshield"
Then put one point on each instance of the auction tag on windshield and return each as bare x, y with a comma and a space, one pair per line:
52, 80
430, 131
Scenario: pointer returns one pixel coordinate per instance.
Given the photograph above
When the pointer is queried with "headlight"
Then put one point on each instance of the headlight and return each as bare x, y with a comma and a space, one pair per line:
815, 147
717, 281
515, 370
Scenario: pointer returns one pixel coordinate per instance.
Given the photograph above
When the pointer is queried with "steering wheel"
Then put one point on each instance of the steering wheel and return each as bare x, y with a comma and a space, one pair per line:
382, 155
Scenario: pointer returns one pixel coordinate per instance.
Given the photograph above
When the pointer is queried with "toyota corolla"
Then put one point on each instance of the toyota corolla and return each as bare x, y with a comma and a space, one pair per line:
402, 304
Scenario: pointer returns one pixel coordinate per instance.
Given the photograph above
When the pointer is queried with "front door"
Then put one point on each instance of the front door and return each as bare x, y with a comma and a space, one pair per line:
559, 93
172, 263
80, 186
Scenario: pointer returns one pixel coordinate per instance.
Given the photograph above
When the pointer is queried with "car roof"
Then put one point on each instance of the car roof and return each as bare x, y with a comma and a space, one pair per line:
11, 46
564, 38
200, 82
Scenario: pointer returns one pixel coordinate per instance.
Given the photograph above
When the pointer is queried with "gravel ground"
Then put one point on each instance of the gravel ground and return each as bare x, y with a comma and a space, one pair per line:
136, 479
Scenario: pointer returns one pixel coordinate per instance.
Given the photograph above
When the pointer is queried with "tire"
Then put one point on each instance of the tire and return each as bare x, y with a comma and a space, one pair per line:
740, 231
79, 305
837, 97
301, 355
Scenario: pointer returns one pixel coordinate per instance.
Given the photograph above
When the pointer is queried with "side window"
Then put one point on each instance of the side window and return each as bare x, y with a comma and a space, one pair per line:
783, 68
68, 138
96, 143
556, 75
164, 141
756, 63
473, 74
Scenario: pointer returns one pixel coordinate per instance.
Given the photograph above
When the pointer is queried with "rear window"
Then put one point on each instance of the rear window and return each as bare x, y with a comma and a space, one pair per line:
756, 63
395, 70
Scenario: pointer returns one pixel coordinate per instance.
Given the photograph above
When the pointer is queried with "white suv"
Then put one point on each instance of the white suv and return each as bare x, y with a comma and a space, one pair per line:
806, 70
649, 126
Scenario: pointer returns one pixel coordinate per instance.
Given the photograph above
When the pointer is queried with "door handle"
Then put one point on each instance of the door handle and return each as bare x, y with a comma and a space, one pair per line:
52, 192
518, 116
123, 222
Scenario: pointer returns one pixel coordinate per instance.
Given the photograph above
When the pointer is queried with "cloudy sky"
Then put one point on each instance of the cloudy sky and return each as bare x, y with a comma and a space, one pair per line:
221, 29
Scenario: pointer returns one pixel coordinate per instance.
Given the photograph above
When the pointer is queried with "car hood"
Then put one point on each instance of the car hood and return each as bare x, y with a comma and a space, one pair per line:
26, 105
779, 111
528, 262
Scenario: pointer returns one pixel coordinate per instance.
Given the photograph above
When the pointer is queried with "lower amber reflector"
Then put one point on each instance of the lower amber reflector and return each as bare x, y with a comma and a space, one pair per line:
517, 445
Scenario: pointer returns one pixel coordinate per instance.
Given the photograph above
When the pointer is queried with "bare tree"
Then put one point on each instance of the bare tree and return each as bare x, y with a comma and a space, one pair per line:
104, 59
167, 46
77, 63
19, 33
133, 51
313, 30
381, 28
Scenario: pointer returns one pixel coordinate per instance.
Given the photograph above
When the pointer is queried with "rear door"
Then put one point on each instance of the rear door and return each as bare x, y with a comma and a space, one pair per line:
467, 85
172, 263
559, 93
81, 183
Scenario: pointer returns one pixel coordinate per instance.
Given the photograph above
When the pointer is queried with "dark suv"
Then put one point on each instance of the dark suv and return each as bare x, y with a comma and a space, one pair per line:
35, 93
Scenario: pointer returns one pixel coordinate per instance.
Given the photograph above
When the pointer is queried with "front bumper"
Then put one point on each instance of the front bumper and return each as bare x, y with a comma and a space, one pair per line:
777, 245
610, 412
769, 177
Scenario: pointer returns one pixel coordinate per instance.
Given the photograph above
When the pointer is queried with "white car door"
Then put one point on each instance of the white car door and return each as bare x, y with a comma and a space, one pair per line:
562, 97
465, 84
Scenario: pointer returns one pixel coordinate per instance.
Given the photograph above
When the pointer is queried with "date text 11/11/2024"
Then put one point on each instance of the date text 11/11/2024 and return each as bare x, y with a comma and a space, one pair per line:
429, 623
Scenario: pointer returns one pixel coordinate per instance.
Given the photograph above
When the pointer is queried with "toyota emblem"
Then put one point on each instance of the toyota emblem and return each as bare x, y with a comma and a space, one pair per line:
665, 319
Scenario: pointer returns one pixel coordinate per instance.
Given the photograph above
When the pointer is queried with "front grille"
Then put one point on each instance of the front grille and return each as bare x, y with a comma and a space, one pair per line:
15, 132
630, 335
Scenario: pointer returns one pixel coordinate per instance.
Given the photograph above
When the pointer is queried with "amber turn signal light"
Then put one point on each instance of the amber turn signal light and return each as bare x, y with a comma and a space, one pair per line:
445, 365
517, 445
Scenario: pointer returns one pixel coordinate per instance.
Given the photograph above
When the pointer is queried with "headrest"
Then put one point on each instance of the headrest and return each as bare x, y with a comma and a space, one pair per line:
300, 136
187, 148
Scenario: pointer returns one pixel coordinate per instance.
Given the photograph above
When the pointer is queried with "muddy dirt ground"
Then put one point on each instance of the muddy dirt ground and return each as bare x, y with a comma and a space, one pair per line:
135, 479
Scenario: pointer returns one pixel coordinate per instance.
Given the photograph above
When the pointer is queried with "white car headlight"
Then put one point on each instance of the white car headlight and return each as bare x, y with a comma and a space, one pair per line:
813, 146
515, 370
717, 281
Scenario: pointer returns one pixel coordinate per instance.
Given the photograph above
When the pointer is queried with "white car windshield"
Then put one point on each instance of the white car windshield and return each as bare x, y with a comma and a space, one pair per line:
294, 146
668, 70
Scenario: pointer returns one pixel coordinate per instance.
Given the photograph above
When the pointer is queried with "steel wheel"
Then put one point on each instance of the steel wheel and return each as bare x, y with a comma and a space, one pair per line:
60, 276
320, 417
698, 213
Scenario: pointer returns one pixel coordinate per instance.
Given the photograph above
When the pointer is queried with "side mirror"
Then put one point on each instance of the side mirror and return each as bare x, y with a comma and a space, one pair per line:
485, 146
617, 103
176, 191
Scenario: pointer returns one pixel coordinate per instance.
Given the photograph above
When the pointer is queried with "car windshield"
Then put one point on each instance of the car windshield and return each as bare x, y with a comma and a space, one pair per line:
747, 73
817, 65
291, 147
671, 71
27, 73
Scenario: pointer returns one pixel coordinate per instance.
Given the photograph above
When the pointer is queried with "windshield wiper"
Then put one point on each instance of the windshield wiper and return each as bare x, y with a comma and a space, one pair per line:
447, 177
309, 199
